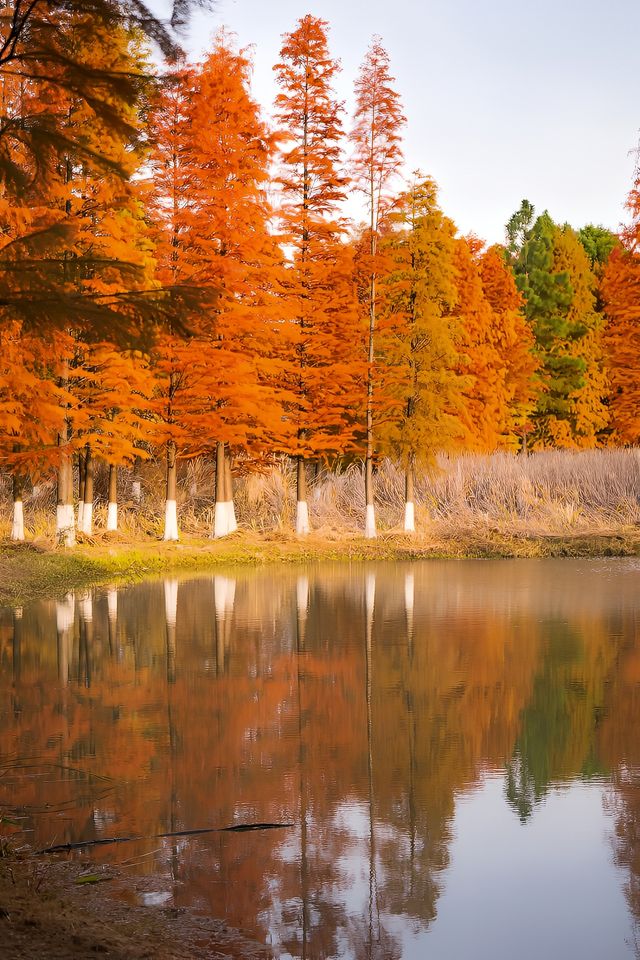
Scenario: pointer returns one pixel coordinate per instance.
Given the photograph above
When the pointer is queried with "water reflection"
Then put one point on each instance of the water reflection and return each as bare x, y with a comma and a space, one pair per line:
378, 709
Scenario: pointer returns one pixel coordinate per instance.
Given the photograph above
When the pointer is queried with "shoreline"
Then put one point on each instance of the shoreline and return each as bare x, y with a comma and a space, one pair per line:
39, 569
70, 909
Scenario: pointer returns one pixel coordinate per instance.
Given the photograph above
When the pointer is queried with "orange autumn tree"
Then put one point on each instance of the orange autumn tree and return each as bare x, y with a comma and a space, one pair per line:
32, 410
75, 270
497, 354
109, 380
111, 389
418, 336
621, 294
484, 401
589, 413
320, 303
514, 346
241, 259
177, 367
377, 159
217, 376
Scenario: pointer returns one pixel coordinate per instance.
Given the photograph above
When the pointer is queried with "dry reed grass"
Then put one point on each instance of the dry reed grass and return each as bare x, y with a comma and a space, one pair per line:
546, 493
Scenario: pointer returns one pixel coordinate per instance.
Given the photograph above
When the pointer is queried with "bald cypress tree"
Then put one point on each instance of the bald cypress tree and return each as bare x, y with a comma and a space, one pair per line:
418, 336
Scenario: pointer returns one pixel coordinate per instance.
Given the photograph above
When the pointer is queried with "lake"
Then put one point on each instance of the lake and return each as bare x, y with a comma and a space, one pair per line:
451, 751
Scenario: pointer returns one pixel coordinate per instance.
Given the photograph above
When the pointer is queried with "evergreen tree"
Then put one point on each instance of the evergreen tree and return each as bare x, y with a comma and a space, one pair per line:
598, 243
548, 297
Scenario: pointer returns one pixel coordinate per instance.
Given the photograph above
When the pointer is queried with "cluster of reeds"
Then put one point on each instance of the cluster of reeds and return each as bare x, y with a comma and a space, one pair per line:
546, 492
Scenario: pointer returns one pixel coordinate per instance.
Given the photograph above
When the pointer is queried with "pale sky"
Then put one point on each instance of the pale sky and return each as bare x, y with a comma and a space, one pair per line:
504, 99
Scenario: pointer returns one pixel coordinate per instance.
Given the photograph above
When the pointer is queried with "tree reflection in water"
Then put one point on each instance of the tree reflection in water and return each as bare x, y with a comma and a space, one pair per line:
359, 703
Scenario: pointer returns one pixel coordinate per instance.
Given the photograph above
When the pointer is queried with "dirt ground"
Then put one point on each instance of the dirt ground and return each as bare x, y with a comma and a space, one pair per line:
48, 911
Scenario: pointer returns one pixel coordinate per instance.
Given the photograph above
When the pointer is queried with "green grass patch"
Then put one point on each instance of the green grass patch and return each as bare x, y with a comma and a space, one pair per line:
30, 571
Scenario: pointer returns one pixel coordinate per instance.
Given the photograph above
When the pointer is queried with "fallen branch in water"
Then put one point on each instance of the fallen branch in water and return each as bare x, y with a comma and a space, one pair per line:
236, 828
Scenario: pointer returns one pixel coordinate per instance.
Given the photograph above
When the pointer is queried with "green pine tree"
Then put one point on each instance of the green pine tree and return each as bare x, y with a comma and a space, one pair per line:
548, 294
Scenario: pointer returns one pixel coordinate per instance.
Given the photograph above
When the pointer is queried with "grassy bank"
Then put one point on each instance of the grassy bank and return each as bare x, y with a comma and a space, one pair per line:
37, 570
549, 504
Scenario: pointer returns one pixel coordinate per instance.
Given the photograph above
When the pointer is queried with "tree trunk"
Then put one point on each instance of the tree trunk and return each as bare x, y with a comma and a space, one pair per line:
370, 518
409, 510
81, 482
87, 510
17, 527
302, 507
228, 495
136, 483
221, 516
65, 518
370, 513
171, 510
112, 509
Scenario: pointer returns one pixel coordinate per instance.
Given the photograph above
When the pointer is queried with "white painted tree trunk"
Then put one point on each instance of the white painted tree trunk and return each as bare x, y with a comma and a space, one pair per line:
171, 508
221, 513
112, 517
80, 513
87, 519
17, 527
409, 517
87, 510
302, 517
302, 508
136, 491
65, 524
220, 520
231, 511
171, 520
370, 522
112, 509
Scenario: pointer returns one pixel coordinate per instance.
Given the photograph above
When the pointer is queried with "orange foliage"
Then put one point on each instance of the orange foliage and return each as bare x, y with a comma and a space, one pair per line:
621, 292
216, 377
514, 343
320, 299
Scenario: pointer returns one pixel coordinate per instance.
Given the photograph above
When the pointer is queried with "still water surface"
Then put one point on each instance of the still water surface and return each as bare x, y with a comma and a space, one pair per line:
456, 746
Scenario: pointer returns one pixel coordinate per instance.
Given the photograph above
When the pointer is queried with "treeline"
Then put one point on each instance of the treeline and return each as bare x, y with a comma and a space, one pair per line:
179, 279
